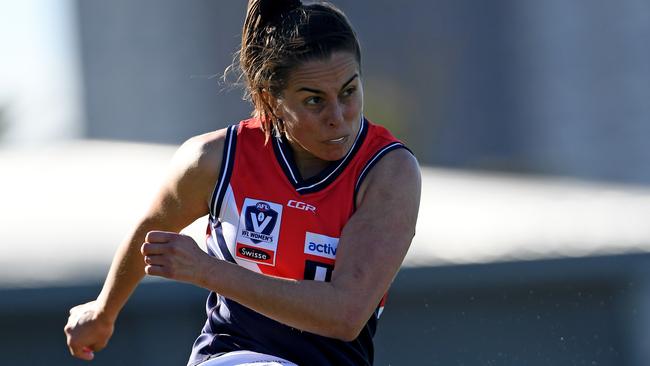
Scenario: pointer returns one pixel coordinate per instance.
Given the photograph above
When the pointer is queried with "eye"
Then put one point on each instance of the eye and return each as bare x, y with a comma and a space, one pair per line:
349, 91
313, 100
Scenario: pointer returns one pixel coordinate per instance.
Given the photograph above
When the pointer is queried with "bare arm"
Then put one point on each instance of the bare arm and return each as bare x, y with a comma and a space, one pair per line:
370, 252
178, 203
182, 199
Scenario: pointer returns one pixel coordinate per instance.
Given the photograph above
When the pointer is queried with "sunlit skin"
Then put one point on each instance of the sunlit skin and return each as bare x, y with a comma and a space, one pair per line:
321, 109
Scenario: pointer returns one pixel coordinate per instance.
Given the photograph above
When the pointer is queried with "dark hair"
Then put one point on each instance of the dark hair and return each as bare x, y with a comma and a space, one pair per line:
279, 35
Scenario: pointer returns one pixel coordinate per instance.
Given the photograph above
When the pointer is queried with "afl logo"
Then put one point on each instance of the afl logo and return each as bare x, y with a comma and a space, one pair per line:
260, 220
262, 206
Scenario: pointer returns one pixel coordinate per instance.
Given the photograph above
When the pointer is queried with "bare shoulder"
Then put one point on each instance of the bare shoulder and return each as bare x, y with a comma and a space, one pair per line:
395, 174
195, 169
202, 153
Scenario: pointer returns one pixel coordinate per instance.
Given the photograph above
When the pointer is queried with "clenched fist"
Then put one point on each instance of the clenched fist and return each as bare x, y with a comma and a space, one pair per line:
175, 256
87, 331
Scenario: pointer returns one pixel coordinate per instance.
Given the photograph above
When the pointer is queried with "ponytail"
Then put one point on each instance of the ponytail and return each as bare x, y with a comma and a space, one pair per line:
261, 14
262, 18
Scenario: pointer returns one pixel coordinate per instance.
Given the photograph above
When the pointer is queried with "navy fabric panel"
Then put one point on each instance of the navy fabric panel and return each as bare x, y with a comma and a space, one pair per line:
232, 326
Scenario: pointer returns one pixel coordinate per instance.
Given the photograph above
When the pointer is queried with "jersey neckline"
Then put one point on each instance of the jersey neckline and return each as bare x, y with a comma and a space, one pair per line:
285, 158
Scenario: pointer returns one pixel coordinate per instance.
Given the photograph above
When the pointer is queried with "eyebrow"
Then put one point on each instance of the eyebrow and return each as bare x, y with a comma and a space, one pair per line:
316, 91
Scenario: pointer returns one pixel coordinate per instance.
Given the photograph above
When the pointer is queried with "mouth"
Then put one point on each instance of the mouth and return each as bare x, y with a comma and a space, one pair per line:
337, 140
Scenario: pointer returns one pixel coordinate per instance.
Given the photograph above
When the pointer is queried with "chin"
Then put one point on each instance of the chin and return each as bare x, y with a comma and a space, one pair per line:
334, 156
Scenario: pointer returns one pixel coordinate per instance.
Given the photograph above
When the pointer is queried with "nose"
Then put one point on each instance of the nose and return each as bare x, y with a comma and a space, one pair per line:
334, 116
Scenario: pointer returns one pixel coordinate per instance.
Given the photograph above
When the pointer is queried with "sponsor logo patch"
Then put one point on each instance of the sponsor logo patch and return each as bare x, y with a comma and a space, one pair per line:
321, 245
260, 221
301, 206
255, 254
258, 231
317, 271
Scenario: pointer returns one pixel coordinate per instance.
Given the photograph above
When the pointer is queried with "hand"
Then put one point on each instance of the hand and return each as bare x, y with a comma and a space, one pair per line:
174, 256
86, 331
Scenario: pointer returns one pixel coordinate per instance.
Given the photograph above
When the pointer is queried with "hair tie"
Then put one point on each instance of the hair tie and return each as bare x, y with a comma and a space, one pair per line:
274, 9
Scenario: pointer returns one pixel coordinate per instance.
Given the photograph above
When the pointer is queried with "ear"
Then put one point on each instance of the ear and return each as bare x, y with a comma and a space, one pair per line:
272, 102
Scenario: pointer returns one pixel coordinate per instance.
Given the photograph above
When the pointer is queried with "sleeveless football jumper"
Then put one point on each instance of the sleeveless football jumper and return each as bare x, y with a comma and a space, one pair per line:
265, 217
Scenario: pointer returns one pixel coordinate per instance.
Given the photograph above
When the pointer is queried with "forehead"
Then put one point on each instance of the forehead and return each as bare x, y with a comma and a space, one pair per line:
324, 73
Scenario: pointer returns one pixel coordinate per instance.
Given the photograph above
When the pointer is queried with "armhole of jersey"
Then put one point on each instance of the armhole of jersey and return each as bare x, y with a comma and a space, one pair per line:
370, 163
227, 163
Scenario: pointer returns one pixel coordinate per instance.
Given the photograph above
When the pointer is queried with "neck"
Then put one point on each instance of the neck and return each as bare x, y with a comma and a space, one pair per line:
308, 165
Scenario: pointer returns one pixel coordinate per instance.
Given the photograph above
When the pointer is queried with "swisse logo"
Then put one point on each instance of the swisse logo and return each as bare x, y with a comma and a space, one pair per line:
253, 253
321, 245
301, 206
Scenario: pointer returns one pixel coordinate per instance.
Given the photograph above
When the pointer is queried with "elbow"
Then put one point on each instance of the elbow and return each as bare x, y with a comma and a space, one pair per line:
349, 334
350, 323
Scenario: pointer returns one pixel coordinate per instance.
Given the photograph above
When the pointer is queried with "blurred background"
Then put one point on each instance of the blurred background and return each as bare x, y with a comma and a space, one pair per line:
531, 120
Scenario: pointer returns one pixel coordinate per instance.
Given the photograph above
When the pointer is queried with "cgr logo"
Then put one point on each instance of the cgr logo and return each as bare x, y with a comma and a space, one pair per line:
301, 206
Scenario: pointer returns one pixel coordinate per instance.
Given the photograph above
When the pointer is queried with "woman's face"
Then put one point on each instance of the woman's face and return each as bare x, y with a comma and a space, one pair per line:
321, 107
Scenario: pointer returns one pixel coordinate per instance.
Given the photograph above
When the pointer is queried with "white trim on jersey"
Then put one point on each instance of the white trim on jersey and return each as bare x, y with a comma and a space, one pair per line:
286, 162
224, 169
229, 218
334, 171
371, 162
212, 243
